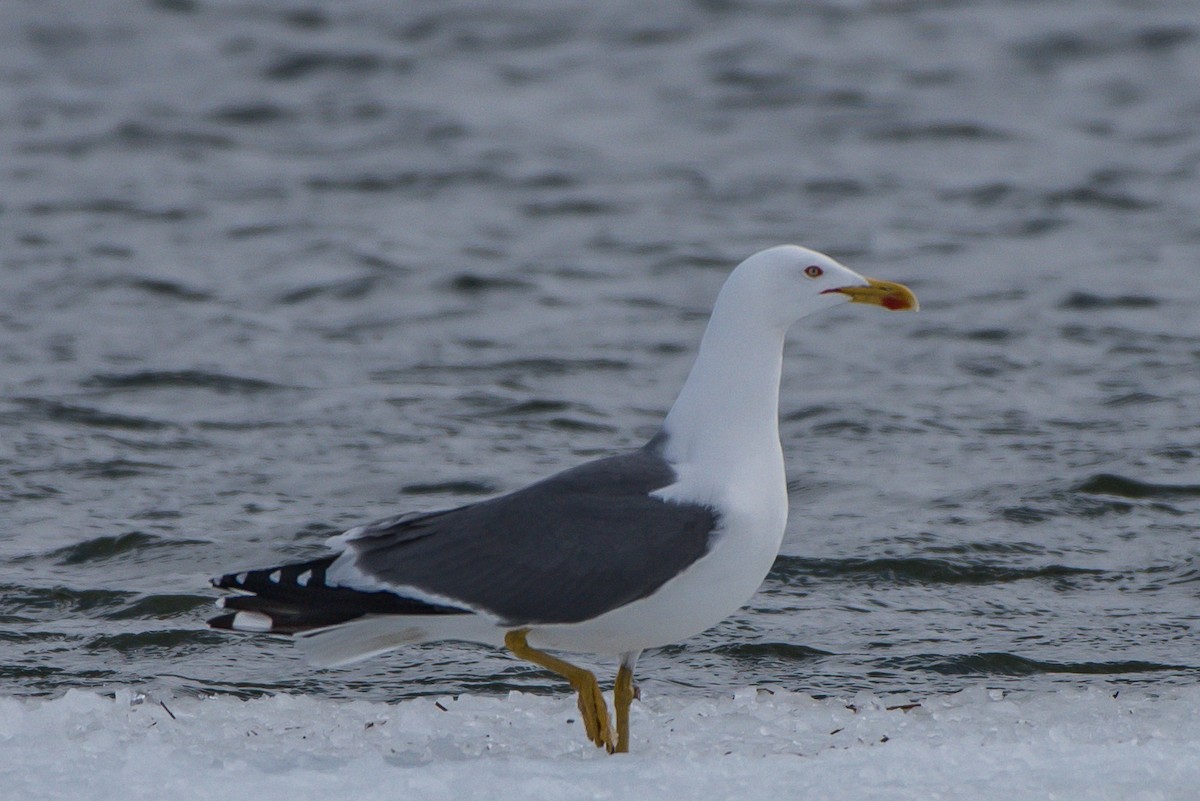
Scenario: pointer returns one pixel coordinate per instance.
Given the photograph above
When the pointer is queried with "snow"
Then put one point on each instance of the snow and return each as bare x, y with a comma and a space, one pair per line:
1086, 743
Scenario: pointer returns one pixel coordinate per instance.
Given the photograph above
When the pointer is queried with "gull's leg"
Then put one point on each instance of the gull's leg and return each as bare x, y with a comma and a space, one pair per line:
591, 702
623, 697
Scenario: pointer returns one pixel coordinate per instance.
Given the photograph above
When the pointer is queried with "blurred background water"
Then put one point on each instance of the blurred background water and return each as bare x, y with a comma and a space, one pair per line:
269, 269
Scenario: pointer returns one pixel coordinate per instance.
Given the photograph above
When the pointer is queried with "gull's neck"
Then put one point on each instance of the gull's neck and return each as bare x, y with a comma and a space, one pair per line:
726, 418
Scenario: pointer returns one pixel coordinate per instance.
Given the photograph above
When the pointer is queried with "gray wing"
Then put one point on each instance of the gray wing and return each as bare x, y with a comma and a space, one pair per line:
563, 550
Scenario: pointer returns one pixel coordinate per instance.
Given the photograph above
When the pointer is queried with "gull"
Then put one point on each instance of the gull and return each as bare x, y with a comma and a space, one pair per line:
633, 551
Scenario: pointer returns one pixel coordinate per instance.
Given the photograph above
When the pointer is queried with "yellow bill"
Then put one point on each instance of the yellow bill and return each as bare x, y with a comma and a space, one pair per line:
888, 294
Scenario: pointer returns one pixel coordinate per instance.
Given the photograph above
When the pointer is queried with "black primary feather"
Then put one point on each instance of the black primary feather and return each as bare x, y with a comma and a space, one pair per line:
293, 605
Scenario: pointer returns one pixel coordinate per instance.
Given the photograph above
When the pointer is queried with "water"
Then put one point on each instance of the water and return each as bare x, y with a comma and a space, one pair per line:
272, 269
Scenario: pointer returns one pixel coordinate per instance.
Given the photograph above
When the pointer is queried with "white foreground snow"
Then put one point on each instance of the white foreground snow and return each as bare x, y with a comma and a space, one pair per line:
756, 744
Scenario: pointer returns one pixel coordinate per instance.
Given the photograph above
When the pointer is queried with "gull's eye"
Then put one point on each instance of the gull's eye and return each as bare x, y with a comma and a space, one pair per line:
813, 271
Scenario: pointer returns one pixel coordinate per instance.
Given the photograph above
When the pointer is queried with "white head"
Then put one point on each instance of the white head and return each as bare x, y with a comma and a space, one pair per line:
784, 283
726, 416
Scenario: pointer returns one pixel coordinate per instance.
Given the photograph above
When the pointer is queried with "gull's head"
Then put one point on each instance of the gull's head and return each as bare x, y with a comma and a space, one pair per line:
788, 282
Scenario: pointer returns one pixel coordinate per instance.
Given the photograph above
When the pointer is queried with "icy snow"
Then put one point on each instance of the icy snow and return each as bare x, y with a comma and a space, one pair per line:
1091, 743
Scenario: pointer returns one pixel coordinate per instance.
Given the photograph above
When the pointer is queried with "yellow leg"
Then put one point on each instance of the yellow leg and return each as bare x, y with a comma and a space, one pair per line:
591, 702
622, 698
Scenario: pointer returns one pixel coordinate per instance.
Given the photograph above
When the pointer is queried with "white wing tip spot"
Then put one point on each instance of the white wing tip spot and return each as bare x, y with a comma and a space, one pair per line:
303, 578
252, 621
275, 576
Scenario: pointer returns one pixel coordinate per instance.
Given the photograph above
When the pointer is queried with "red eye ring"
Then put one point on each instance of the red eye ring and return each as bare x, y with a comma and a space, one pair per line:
813, 271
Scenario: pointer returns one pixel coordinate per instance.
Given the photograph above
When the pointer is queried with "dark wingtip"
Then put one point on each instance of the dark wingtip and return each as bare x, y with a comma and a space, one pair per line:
234, 581
290, 598
224, 622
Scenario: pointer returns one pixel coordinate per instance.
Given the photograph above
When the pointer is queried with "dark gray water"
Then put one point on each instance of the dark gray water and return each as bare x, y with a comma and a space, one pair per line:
270, 269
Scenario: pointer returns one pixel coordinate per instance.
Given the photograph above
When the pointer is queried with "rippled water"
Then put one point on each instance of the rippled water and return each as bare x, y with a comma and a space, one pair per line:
270, 269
